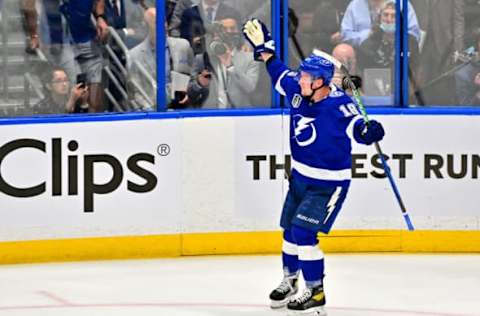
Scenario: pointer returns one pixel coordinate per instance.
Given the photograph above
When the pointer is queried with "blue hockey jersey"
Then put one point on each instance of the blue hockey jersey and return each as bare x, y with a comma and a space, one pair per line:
320, 133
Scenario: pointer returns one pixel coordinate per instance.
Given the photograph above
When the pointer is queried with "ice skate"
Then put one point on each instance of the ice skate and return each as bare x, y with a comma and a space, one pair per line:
311, 303
281, 295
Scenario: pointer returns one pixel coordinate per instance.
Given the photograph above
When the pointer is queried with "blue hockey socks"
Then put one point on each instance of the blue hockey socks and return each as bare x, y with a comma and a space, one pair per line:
310, 257
289, 255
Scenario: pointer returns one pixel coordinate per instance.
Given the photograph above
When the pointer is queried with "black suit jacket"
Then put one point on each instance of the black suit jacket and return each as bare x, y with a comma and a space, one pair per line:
114, 20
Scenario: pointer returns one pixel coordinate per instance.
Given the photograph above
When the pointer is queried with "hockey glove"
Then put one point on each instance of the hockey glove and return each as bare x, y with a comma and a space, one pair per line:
368, 133
259, 37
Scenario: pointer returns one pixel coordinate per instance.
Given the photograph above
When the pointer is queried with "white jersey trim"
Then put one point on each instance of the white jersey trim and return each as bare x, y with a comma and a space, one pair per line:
351, 125
321, 174
278, 84
310, 253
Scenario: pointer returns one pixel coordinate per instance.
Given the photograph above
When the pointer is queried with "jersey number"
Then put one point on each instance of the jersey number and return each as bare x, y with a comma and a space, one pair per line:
349, 110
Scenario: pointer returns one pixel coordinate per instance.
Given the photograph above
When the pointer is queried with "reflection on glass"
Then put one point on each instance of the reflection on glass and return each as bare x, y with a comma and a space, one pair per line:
442, 47
71, 56
223, 73
313, 24
359, 33
376, 54
370, 26
318, 24
467, 74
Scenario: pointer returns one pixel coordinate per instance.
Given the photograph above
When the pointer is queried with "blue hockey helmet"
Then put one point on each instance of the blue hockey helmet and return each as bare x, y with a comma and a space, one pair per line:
318, 67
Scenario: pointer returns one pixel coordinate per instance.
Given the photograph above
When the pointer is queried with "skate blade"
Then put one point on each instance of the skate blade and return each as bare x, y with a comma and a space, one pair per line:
283, 303
317, 311
279, 304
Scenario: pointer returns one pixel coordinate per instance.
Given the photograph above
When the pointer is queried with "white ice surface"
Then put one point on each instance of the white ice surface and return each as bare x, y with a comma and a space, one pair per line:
396, 285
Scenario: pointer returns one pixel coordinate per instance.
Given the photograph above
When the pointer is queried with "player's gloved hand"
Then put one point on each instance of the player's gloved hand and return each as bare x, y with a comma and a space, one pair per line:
368, 133
259, 37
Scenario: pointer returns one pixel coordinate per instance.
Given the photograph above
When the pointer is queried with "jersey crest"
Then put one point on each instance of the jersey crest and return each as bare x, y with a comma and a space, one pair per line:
304, 130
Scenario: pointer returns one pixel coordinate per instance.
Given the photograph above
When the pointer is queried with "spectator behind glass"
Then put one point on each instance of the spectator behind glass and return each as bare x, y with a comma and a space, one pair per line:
314, 24
30, 24
176, 8
378, 49
362, 15
467, 78
443, 24
116, 12
246, 9
126, 17
86, 44
225, 77
346, 55
179, 66
51, 37
145, 55
60, 97
260, 9
178, 58
198, 19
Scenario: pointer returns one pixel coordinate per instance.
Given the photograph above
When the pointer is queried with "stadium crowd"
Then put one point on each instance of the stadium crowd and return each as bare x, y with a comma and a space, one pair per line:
100, 55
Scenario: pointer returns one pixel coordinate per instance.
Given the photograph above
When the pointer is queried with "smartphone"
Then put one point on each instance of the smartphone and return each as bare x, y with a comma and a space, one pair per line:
180, 95
82, 79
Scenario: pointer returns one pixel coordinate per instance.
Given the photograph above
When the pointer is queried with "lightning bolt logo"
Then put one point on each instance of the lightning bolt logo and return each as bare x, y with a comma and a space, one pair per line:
332, 203
303, 123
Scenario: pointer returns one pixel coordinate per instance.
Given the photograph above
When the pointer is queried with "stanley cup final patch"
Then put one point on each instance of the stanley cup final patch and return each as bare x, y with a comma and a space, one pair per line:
296, 100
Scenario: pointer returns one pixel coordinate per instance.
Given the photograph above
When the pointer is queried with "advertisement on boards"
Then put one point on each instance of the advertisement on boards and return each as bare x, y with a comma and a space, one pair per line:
89, 179
436, 168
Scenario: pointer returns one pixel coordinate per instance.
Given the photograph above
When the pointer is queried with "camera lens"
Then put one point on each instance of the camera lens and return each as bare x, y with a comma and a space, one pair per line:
218, 48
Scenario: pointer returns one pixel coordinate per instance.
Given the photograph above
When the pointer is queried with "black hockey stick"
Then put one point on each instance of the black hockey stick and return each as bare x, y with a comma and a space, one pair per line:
359, 101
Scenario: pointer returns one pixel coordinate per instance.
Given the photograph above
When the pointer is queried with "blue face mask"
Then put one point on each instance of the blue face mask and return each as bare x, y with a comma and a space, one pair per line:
388, 27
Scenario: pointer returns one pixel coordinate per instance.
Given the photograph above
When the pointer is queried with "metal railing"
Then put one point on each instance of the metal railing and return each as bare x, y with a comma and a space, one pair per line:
124, 72
13, 53
4, 24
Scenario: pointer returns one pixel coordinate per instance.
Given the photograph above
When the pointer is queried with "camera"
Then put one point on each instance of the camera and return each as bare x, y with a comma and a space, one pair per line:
222, 40
217, 47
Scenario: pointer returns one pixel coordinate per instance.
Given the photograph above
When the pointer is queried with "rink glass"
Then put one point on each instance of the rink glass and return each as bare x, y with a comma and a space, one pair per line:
329, 26
25, 80
448, 65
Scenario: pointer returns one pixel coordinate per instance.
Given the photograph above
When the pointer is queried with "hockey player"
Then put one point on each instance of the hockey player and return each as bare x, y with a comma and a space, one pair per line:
323, 120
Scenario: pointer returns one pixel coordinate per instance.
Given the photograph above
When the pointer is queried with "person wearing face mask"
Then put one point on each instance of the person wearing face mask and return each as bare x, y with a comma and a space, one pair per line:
378, 49
225, 76
197, 21
362, 15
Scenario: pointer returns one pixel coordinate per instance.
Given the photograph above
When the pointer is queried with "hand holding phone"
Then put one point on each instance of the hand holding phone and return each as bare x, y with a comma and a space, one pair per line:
82, 80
